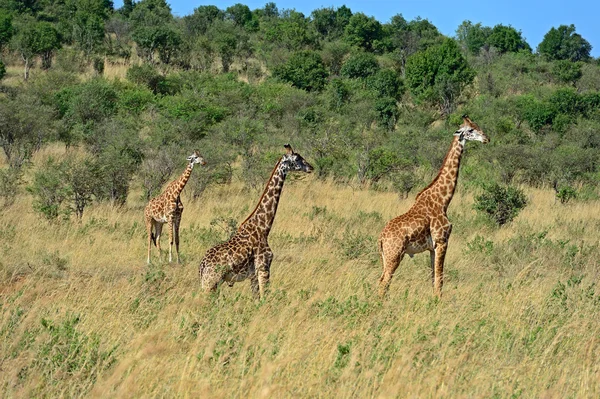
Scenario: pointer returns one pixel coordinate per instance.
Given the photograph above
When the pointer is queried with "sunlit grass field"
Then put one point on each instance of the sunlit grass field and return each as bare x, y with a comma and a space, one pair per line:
83, 315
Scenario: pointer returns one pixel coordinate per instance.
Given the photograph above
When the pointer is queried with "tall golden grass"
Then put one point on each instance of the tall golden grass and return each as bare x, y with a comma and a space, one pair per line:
83, 315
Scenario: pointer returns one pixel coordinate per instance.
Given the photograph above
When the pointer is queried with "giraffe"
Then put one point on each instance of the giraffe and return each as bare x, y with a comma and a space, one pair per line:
168, 208
247, 253
425, 226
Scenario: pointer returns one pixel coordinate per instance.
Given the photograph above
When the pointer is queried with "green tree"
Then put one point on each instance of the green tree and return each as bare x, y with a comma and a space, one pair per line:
35, 39
360, 65
88, 25
127, 8
201, 19
363, 31
472, 36
386, 83
507, 39
239, 13
304, 70
563, 43
25, 125
150, 20
438, 75
6, 28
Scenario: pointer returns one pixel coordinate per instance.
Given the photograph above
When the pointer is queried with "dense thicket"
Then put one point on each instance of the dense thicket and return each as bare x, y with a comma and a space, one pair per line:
364, 100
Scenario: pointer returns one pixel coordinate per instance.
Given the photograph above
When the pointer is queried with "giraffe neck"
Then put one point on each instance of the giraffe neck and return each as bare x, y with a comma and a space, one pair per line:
443, 185
261, 219
176, 187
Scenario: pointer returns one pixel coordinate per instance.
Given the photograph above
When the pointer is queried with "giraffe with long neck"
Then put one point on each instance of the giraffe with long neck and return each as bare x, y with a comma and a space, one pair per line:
168, 208
425, 227
247, 254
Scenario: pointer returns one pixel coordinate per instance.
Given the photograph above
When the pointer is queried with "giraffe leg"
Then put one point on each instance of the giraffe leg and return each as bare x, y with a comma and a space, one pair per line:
170, 227
157, 232
440, 255
149, 224
391, 259
176, 223
432, 262
440, 234
263, 268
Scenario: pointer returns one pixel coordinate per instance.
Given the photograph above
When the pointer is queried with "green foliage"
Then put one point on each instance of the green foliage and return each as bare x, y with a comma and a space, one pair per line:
565, 194
363, 31
6, 28
9, 185
304, 70
501, 203
239, 13
507, 39
49, 190
2, 70
439, 74
472, 36
148, 76
200, 21
360, 65
386, 83
329, 22
563, 43
566, 71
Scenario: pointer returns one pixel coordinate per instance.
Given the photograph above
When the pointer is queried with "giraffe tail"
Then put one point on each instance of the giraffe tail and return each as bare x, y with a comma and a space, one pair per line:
153, 237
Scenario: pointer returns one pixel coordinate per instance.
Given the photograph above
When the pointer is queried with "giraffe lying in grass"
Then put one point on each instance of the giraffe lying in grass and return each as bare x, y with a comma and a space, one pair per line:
425, 227
247, 253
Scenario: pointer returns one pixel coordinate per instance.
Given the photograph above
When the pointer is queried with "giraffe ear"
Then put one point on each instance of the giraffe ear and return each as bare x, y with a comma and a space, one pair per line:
289, 149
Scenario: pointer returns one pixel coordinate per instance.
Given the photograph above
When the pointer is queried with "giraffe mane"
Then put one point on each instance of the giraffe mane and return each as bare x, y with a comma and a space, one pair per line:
263, 194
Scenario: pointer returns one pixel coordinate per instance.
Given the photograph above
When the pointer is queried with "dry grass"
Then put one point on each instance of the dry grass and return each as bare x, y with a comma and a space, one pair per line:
519, 316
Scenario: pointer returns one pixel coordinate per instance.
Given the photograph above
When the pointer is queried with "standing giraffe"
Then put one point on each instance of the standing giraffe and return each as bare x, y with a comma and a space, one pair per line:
168, 208
425, 226
247, 253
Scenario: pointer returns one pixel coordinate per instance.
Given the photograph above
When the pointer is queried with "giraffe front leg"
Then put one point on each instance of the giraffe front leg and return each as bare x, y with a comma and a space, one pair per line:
176, 224
149, 225
263, 268
440, 255
170, 227
440, 233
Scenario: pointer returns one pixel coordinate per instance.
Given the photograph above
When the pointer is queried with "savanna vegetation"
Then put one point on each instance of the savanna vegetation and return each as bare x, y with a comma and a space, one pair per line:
99, 108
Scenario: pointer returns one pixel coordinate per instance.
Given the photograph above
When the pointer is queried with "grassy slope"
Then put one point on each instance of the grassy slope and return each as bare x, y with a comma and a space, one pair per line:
81, 312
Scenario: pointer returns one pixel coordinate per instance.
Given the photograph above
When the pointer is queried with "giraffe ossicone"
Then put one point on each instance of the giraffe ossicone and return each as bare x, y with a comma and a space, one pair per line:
425, 226
168, 208
247, 254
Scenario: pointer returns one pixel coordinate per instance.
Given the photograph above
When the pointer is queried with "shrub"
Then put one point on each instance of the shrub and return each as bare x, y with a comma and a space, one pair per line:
361, 65
49, 191
148, 76
304, 70
2, 70
501, 203
9, 185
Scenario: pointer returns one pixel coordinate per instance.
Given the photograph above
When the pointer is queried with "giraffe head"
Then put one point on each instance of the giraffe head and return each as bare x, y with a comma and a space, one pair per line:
196, 158
292, 161
471, 132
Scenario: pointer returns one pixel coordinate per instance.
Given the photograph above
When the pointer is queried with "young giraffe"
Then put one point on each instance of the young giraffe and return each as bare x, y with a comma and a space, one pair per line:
247, 253
425, 226
167, 208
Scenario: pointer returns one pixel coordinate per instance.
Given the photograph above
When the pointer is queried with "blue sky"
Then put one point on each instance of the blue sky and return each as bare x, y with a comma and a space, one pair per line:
533, 17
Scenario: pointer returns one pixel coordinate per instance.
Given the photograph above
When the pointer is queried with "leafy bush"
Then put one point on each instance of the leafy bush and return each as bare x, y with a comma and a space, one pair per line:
148, 76
304, 70
9, 185
49, 191
501, 203
360, 65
